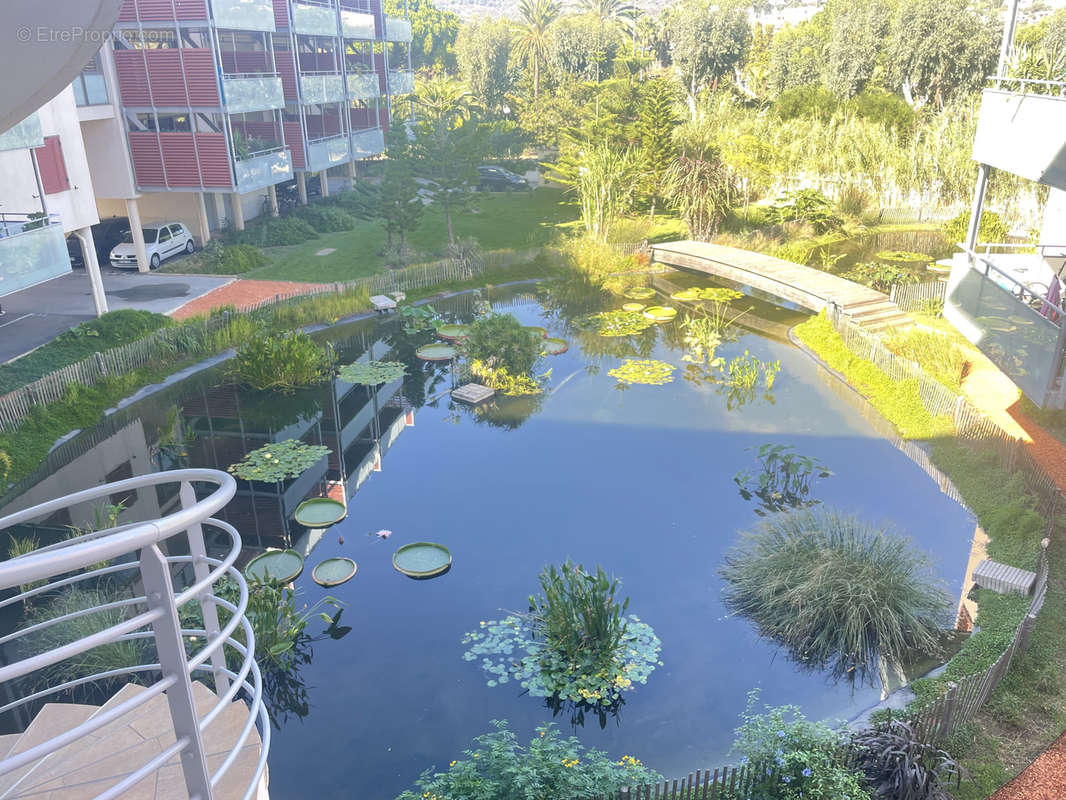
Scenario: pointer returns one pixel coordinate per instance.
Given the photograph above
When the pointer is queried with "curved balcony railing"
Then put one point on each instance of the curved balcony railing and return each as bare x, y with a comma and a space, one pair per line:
155, 617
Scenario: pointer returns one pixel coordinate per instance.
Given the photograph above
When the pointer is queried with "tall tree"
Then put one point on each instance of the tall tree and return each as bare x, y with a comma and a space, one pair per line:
655, 126
939, 48
400, 206
797, 55
856, 35
446, 144
532, 42
483, 51
608, 13
707, 40
433, 33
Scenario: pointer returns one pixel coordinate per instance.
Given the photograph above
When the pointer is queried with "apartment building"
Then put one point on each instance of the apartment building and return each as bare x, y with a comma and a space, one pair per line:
1007, 297
194, 111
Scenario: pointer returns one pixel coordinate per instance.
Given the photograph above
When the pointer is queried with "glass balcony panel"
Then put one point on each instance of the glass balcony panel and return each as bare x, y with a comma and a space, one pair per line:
322, 88
1015, 336
397, 29
401, 82
28, 257
326, 153
314, 20
363, 85
263, 170
26, 134
357, 26
246, 15
95, 89
368, 143
1023, 133
252, 93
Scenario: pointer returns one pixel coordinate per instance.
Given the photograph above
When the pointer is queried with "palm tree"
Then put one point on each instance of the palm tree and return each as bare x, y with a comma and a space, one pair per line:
444, 103
531, 43
617, 12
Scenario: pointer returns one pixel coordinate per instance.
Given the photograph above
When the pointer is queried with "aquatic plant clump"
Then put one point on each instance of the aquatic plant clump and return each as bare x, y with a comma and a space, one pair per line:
645, 371
279, 461
509, 651
372, 373
785, 479
619, 323
838, 593
904, 256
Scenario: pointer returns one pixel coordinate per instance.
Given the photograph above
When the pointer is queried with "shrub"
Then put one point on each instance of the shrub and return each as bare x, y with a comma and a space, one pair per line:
326, 219
500, 341
806, 101
900, 766
596, 260
800, 759
853, 201
5, 466
836, 592
362, 202
808, 206
991, 229
223, 259
498, 768
281, 361
890, 110
274, 232
879, 275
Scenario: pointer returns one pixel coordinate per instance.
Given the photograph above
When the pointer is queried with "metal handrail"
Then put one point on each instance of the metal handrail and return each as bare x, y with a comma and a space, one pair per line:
1022, 289
228, 75
1059, 85
175, 668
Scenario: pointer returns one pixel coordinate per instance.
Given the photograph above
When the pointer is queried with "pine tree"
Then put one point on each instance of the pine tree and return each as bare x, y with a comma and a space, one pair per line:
655, 127
400, 206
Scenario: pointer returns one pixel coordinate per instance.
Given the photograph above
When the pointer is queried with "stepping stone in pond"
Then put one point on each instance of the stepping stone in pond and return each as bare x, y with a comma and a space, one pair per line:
473, 393
325, 251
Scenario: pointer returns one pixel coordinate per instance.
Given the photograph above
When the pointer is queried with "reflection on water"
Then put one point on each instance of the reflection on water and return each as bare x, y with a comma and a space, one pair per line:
639, 481
841, 257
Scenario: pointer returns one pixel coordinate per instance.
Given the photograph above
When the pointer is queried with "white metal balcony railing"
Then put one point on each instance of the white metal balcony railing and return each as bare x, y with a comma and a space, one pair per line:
31, 251
252, 91
24, 135
144, 545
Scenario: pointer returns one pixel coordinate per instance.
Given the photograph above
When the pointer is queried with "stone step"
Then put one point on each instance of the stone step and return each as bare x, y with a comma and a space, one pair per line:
872, 309
52, 720
7, 742
100, 760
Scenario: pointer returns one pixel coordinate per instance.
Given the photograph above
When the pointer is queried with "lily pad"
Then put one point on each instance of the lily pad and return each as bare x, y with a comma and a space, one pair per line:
422, 559
554, 347
334, 571
618, 323
537, 331
436, 352
640, 293
633, 306
320, 512
660, 313
647, 371
903, 256
372, 373
279, 461
453, 333
284, 566
687, 295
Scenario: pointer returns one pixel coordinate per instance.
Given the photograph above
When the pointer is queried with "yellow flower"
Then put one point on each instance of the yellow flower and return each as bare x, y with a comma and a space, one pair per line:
542, 734
452, 764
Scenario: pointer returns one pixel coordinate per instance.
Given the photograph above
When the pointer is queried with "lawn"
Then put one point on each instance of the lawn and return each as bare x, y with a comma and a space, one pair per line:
497, 221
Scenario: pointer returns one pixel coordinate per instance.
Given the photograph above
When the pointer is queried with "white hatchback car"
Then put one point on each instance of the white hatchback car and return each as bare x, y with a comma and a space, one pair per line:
161, 241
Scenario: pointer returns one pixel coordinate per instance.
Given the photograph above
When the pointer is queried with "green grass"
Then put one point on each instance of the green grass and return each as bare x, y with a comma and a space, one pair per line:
899, 402
111, 330
498, 221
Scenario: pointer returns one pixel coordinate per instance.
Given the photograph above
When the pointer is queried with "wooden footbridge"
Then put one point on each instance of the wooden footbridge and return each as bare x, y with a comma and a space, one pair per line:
806, 287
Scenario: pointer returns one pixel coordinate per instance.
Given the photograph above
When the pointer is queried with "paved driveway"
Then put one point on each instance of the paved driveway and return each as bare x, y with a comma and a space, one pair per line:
37, 315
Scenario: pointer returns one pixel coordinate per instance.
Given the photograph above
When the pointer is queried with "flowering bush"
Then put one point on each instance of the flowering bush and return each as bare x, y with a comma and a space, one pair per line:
799, 758
499, 768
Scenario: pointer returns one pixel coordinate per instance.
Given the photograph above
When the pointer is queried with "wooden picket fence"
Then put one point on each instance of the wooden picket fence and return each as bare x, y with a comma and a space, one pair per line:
174, 343
918, 296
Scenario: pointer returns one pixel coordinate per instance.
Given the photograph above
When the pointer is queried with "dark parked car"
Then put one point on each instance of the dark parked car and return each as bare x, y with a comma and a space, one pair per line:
497, 179
106, 234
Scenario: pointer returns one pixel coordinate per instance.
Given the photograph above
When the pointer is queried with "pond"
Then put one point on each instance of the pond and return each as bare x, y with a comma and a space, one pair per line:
840, 257
638, 479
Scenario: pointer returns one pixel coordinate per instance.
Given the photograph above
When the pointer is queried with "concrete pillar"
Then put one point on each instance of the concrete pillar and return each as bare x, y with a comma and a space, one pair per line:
272, 196
134, 213
324, 178
301, 187
221, 213
238, 211
92, 269
977, 207
205, 226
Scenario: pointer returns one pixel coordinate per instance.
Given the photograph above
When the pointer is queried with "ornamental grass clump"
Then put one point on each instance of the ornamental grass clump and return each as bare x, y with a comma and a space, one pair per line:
838, 593
283, 362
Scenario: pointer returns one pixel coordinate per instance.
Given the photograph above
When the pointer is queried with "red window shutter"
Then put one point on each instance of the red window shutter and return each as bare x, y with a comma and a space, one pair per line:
52, 167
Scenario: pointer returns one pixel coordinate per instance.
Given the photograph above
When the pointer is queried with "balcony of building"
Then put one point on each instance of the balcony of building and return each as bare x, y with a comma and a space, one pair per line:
90, 87
314, 18
1005, 299
358, 25
250, 81
397, 30
163, 11
247, 15
33, 249
1021, 129
368, 142
167, 77
23, 136
260, 155
316, 136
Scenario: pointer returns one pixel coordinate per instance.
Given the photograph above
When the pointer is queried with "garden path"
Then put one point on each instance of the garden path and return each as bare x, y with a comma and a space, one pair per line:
244, 294
1044, 779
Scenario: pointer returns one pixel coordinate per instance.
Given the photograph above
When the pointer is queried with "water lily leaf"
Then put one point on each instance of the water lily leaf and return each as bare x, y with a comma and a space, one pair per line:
279, 461
646, 371
372, 373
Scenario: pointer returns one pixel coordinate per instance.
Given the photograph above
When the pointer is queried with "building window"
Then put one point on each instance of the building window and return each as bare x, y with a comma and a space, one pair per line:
90, 89
51, 166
